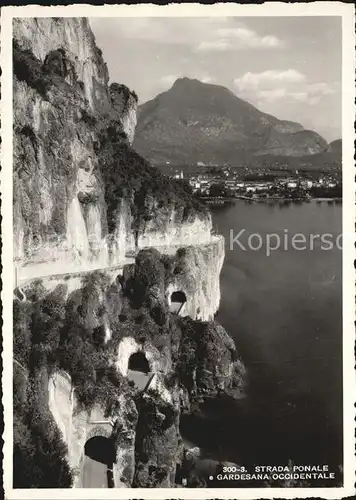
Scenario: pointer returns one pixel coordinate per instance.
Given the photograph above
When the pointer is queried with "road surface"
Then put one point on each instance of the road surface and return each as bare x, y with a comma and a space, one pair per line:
140, 379
94, 474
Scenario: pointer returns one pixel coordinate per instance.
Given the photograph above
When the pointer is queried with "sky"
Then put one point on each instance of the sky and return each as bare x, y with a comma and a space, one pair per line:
289, 67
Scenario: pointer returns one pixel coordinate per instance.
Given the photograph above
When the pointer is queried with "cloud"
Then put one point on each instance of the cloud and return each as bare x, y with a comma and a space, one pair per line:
277, 85
298, 96
207, 79
239, 38
321, 88
215, 45
250, 38
202, 34
166, 81
313, 93
268, 79
186, 31
271, 95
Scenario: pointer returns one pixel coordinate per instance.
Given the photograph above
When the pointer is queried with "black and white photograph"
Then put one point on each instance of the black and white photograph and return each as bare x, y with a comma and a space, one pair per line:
178, 212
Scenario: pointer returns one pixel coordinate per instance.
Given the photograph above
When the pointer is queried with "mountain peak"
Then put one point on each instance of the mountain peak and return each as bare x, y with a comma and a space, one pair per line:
336, 146
196, 121
185, 80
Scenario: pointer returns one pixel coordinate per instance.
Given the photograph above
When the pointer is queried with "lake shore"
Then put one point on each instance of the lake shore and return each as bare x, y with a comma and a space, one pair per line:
227, 201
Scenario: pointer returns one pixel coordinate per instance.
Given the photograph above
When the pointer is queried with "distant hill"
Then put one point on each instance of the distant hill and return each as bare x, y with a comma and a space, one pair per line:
195, 121
336, 146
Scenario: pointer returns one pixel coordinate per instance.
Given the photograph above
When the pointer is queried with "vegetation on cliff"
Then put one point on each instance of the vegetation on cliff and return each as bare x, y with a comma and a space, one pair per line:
29, 69
42, 76
57, 133
50, 155
128, 175
44, 169
53, 331
39, 453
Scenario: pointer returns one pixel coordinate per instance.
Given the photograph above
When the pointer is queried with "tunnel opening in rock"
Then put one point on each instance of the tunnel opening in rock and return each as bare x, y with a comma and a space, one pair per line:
139, 370
178, 299
138, 363
98, 463
100, 449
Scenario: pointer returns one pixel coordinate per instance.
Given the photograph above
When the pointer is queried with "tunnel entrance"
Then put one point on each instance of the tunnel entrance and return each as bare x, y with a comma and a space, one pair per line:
139, 370
138, 362
98, 463
178, 299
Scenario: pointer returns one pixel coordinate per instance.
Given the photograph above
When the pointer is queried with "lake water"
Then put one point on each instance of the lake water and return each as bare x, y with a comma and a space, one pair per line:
285, 315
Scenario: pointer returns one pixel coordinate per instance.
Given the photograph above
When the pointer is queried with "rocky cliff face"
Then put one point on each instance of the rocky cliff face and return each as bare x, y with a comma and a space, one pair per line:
42, 36
125, 104
196, 273
82, 197
68, 355
78, 425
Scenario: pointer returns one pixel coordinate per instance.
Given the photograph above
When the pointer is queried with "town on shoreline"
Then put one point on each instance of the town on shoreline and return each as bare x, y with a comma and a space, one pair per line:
220, 186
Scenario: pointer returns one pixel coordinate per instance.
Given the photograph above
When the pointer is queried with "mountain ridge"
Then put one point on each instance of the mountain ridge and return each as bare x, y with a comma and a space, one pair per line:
195, 121
335, 146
